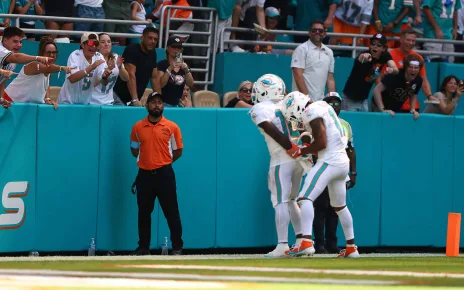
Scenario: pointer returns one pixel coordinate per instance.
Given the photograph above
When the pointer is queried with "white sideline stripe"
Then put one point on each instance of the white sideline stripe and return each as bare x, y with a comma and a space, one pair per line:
302, 270
194, 257
195, 277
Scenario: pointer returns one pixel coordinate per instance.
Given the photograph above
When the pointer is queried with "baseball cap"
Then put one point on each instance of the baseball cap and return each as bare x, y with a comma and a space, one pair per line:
271, 12
175, 41
85, 36
379, 37
332, 95
154, 95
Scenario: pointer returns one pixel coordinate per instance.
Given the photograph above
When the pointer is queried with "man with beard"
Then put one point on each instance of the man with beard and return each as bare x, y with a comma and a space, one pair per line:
140, 63
394, 90
156, 143
313, 65
366, 69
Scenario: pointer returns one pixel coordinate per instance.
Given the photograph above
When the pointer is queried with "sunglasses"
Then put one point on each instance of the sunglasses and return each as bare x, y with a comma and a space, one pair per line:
51, 51
317, 30
92, 43
246, 90
376, 44
336, 104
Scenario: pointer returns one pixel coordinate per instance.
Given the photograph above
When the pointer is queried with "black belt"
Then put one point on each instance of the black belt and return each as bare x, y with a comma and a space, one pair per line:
152, 171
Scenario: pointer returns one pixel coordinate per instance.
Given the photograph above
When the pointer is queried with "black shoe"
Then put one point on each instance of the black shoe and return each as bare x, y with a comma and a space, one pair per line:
140, 252
177, 252
321, 250
334, 250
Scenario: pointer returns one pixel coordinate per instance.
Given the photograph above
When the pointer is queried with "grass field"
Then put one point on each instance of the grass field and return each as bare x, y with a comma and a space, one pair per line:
233, 272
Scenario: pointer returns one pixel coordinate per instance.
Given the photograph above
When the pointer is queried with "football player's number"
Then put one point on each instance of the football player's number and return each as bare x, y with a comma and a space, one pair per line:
392, 5
443, 9
355, 11
106, 89
87, 82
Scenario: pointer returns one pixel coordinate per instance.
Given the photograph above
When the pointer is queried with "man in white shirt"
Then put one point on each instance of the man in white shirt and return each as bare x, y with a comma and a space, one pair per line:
87, 69
331, 169
313, 65
9, 56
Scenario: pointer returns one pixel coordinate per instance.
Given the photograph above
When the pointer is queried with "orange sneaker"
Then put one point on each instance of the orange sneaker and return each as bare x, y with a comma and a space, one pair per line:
305, 248
351, 251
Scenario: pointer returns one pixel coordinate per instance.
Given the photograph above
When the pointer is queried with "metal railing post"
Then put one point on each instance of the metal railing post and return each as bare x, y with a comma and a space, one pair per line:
160, 40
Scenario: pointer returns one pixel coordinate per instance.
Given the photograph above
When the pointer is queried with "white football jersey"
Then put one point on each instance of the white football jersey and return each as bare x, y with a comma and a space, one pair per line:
103, 95
80, 92
355, 12
4, 53
334, 154
269, 111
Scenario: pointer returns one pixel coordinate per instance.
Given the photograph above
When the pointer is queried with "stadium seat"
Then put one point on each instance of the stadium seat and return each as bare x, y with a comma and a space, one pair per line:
54, 92
227, 97
206, 99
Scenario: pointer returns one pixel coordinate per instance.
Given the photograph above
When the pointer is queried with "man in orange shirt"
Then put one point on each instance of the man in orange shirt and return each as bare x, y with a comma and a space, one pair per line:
407, 43
157, 143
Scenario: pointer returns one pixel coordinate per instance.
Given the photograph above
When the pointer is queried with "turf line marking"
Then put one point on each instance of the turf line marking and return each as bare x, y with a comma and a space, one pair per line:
302, 270
194, 277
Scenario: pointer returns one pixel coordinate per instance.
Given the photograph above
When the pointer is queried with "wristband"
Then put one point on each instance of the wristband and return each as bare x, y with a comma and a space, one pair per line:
378, 21
134, 100
353, 173
48, 99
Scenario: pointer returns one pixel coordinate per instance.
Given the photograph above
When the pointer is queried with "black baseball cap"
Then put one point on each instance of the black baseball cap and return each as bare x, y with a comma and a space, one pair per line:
380, 38
154, 95
175, 41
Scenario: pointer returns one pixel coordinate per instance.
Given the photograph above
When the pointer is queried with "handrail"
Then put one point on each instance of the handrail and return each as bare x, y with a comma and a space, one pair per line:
73, 19
352, 48
74, 32
163, 9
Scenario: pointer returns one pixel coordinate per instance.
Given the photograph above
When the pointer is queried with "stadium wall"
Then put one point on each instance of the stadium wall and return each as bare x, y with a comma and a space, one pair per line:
79, 169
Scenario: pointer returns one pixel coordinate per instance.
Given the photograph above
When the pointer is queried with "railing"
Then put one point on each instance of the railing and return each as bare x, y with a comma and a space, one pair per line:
353, 48
212, 23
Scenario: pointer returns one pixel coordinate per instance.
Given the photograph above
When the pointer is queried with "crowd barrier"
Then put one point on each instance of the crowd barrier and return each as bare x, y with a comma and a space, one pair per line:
79, 170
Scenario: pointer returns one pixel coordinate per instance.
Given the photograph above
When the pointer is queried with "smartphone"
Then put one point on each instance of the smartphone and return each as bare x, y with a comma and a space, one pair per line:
461, 84
179, 57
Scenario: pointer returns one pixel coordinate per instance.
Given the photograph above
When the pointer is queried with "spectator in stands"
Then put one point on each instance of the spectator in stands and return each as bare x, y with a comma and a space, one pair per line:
224, 9
118, 10
243, 99
32, 85
407, 43
388, 17
352, 17
283, 6
29, 7
12, 42
272, 20
89, 9
6, 7
308, 11
103, 94
460, 47
313, 65
6, 74
138, 14
366, 69
140, 63
87, 70
394, 90
174, 73
186, 100
441, 20
176, 13
249, 12
60, 8
448, 96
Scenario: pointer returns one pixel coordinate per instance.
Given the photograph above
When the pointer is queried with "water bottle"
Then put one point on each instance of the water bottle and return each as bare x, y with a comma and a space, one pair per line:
33, 254
165, 247
92, 247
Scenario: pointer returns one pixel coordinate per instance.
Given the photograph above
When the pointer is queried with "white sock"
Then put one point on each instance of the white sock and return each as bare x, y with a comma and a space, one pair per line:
307, 216
295, 216
282, 220
346, 220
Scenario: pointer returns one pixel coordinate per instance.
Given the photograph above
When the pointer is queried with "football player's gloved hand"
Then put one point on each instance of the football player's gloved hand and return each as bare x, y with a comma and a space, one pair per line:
294, 152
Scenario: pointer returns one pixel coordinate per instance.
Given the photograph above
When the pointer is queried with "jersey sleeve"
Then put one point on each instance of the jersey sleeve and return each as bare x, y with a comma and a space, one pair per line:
101, 68
311, 113
299, 57
4, 54
260, 3
260, 114
176, 139
367, 12
408, 3
73, 61
134, 140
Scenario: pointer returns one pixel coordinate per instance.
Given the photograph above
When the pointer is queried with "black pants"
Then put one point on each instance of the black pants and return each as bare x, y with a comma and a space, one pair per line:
159, 183
325, 216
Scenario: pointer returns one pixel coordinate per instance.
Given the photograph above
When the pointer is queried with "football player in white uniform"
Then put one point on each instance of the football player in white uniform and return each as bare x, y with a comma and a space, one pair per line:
267, 115
331, 168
